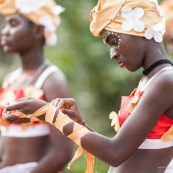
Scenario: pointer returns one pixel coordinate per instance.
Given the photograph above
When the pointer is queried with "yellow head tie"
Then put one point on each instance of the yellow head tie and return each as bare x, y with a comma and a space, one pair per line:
167, 7
134, 17
40, 12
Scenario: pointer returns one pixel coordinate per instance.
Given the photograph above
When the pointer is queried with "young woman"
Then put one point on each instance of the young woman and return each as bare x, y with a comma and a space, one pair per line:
167, 6
36, 147
133, 30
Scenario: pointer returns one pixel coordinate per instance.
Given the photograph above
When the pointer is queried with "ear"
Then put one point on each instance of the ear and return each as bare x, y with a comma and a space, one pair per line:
38, 31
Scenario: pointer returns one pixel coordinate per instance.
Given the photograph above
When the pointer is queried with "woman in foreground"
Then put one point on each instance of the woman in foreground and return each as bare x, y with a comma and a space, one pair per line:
133, 30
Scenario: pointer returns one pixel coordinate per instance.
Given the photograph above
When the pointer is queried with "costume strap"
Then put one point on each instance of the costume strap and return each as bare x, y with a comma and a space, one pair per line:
166, 68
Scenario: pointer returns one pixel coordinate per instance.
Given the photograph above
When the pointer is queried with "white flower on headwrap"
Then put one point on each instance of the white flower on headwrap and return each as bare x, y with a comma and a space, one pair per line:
58, 10
28, 6
161, 13
156, 32
47, 23
52, 40
49, 30
133, 22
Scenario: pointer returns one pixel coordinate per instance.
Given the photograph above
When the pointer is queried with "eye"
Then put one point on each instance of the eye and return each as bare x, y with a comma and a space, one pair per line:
13, 23
114, 41
111, 39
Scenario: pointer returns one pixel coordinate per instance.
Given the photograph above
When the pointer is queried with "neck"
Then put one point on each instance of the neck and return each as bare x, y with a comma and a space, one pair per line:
32, 59
154, 53
156, 64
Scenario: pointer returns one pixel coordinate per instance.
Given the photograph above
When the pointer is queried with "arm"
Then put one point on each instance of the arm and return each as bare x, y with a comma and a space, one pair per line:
134, 131
60, 146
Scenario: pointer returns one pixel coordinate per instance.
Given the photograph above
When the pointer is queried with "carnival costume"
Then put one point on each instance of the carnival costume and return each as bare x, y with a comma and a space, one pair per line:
138, 18
8, 94
143, 18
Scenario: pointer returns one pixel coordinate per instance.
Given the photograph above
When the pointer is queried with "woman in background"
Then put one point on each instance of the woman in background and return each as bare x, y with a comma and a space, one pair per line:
36, 147
133, 31
167, 6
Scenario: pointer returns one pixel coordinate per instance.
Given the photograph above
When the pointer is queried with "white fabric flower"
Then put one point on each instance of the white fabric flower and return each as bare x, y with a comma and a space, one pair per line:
49, 30
58, 10
133, 22
47, 23
28, 6
52, 40
161, 13
156, 32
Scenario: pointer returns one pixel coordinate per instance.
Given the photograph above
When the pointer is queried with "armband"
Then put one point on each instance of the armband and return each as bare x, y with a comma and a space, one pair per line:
62, 120
78, 132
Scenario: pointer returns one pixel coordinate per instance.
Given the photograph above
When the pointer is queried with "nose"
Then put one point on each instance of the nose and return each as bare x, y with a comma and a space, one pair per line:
5, 31
113, 54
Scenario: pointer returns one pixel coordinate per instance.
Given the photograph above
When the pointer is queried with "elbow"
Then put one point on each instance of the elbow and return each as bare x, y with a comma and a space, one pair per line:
114, 160
115, 157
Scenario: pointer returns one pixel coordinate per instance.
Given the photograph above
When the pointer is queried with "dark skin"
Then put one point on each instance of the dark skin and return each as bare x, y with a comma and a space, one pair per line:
25, 38
122, 151
169, 42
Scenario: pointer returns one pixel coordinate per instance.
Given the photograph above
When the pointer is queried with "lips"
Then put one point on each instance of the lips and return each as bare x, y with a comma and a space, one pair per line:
3, 42
120, 63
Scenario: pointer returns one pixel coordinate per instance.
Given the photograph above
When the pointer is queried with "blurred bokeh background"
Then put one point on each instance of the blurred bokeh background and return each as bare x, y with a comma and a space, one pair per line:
95, 82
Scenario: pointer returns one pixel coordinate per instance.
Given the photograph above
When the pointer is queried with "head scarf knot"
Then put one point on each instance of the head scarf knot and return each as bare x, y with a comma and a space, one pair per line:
40, 12
134, 17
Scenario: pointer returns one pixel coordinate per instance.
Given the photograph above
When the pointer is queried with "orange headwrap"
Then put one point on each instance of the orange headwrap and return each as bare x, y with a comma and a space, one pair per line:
40, 12
167, 7
134, 17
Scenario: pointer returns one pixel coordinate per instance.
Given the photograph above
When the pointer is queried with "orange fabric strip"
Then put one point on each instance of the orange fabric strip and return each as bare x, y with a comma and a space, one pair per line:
50, 113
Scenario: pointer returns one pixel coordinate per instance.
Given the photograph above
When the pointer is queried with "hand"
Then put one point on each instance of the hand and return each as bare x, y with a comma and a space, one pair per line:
69, 107
24, 105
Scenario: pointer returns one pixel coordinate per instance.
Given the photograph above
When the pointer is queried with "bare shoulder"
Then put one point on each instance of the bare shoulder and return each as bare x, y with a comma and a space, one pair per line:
164, 80
56, 85
159, 92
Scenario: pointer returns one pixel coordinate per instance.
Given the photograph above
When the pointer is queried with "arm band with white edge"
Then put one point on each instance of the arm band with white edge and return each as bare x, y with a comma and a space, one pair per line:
78, 130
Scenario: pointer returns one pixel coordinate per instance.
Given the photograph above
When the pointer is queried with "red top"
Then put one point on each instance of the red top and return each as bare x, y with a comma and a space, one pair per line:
10, 95
127, 105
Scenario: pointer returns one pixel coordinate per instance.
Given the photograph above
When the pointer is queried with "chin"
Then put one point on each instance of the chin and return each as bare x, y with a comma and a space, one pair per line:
130, 69
8, 50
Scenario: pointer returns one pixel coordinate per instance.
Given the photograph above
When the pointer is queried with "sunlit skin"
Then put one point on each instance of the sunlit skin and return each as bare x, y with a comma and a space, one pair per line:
26, 39
121, 151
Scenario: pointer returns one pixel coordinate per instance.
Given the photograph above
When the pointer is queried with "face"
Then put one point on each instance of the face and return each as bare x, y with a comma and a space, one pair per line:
169, 42
124, 49
17, 34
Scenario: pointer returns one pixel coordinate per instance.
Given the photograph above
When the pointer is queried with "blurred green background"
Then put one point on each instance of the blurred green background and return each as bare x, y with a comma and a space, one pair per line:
95, 82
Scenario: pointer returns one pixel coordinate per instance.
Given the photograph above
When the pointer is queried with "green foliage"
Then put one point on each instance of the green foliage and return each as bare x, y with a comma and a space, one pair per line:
94, 81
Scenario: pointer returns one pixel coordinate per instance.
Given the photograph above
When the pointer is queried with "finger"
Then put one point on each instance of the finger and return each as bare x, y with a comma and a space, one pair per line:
14, 106
66, 103
68, 112
55, 102
9, 117
22, 99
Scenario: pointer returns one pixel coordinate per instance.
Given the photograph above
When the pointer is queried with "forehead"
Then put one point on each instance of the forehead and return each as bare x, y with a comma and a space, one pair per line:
16, 17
